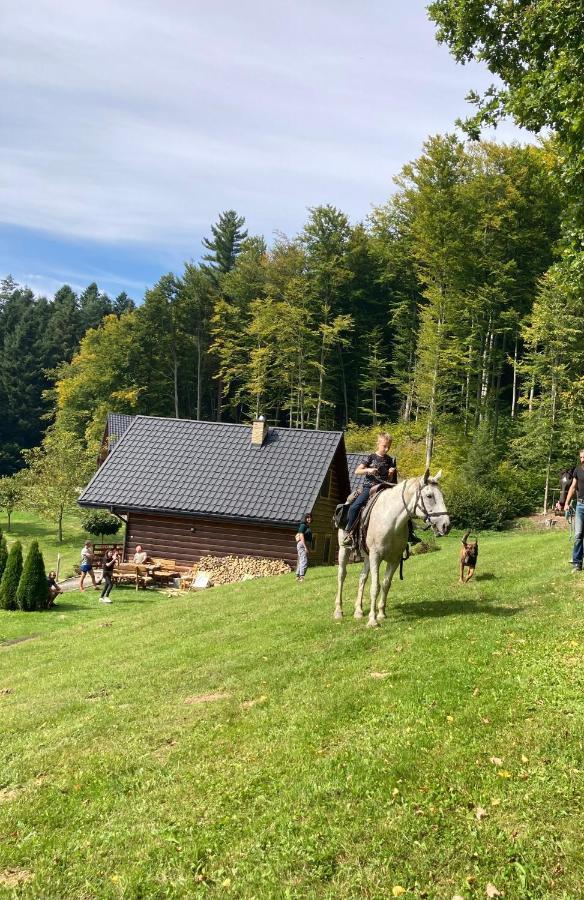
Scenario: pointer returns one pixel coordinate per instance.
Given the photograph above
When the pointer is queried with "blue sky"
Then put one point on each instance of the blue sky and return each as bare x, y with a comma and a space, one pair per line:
128, 125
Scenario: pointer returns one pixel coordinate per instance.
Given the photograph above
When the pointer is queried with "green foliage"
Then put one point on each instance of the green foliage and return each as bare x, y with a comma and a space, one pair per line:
11, 493
228, 237
56, 473
536, 50
99, 522
11, 577
3, 554
33, 593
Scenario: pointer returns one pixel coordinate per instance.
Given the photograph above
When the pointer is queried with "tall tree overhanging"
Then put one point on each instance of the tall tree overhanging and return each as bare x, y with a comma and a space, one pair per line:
536, 48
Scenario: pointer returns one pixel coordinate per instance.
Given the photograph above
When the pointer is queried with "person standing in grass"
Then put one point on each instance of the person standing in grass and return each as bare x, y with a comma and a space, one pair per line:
87, 565
304, 541
109, 563
577, 487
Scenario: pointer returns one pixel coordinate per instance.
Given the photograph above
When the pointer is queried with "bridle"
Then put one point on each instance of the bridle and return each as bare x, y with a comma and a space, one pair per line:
419, 501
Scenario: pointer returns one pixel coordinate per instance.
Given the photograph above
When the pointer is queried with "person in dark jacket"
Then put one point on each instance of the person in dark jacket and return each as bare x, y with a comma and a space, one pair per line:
109, 563
304, 543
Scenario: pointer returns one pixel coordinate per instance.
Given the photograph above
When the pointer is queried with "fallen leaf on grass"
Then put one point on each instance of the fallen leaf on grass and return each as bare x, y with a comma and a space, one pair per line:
495, 760
247, 704
495, 801
503, 773
105, 624
480, 813
207, 698
450, 718
475, 693
378, 674
397, 890
457, 897
524, 758
485, 720
4, 692
492, 891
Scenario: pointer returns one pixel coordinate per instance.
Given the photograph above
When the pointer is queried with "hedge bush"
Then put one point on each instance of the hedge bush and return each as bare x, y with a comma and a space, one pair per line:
3, 554
33, 590
11, 577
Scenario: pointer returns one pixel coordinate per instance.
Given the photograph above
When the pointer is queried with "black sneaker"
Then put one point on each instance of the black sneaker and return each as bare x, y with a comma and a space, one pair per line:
413, 539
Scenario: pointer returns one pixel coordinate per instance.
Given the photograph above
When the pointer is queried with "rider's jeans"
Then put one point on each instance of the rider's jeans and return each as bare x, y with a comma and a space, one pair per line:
578, 551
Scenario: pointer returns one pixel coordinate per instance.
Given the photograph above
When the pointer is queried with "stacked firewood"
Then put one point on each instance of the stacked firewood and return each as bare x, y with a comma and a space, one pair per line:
230, 569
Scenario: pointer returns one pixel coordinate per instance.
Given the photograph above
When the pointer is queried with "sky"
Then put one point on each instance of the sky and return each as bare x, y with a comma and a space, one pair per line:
127, 126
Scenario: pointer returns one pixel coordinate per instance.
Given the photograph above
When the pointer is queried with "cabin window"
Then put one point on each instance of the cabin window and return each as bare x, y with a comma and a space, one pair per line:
325, 490
327, 549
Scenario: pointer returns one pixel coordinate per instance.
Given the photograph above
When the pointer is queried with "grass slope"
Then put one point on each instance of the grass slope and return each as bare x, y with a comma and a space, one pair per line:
27, 527
240, 743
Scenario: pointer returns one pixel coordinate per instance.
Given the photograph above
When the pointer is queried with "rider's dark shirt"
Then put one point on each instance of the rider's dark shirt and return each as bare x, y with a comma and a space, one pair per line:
383, 464
579, 476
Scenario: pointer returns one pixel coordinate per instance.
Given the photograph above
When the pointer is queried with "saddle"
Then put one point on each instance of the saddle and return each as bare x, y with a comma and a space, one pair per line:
360, 528
362, 523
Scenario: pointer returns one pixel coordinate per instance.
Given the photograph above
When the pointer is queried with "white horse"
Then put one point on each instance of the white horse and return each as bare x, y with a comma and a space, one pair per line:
387, 538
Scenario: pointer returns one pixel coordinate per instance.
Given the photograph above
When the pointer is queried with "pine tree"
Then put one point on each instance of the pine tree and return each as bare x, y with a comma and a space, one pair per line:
11, 577
225, 245
3, 554
32, 593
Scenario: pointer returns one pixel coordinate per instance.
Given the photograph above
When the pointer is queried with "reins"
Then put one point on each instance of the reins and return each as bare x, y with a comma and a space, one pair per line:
419, 500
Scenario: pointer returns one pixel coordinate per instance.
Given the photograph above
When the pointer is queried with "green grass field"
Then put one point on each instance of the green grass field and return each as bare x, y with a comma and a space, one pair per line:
238, 742
27, 527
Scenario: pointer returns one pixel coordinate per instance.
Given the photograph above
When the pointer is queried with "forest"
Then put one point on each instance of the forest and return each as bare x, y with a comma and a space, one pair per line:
451, 315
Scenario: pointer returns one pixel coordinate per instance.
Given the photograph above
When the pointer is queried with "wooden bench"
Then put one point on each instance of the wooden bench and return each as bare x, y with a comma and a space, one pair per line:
130, 573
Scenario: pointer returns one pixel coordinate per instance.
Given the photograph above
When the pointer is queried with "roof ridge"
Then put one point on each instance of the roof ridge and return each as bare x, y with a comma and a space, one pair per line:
236, 424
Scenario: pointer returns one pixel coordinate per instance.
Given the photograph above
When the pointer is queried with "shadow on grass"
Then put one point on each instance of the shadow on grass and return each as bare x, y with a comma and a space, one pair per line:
437, 608
486, 576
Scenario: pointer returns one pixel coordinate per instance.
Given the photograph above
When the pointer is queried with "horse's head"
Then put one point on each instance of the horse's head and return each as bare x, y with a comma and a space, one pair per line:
430, 504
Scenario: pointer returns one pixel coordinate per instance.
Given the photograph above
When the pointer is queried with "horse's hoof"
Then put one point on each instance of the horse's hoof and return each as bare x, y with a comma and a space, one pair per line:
372, 623
381, 616
338, 614
358, 614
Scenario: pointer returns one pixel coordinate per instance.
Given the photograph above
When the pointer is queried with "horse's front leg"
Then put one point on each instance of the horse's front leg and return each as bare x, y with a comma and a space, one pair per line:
385, 586
374, 563
358, 614
341, 574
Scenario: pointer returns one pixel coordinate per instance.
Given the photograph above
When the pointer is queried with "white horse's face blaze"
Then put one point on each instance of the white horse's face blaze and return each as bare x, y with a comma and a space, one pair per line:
432, 500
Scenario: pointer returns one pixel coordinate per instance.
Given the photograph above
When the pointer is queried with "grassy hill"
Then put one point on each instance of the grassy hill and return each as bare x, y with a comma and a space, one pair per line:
240, 743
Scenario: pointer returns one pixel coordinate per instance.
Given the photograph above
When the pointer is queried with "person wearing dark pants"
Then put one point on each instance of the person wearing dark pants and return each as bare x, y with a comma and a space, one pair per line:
304, 540
577, 487
109, 564
377, 467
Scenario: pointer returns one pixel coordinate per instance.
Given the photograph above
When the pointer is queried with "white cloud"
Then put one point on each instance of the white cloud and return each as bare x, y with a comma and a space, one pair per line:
137, 121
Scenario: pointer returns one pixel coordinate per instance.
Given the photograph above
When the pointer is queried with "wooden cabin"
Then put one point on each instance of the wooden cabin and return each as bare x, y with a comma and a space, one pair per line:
188, 488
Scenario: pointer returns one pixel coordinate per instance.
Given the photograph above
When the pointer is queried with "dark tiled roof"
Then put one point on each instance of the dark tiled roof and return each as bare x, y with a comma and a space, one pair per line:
118, 424
210, 468
353, 460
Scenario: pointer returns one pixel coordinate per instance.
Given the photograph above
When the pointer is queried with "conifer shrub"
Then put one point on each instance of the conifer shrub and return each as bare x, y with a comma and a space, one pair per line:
11, 577
33, 591
3, 554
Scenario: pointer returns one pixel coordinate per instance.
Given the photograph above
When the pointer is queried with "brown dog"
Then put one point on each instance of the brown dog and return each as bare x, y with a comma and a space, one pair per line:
469, 553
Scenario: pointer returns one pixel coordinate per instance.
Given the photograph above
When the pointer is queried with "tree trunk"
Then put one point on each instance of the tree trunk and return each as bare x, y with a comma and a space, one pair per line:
60, 525
551, 446
320, 386
199, 373
175, 380
219, 398
514, 395
9, 517
344, 383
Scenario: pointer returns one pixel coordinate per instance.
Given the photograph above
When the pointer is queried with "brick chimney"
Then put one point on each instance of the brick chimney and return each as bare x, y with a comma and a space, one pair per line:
259, 431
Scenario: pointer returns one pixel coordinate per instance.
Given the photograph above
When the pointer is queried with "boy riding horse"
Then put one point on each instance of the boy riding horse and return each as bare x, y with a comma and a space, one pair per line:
378, 467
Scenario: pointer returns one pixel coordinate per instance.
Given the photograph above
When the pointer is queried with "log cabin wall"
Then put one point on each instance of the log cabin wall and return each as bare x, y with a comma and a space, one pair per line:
186, 539
325, 535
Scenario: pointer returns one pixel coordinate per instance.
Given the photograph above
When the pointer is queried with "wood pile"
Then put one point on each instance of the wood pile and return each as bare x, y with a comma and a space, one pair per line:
230, 569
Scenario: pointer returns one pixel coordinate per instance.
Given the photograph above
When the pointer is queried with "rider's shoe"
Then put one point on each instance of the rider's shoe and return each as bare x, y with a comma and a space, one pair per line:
349, 542
412, 536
